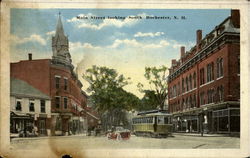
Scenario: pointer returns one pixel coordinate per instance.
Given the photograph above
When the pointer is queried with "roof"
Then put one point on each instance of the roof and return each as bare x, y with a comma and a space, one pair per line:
23, 89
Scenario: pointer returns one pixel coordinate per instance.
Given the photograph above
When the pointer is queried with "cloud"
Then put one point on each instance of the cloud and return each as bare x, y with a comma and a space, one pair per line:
149, 34
135, 43
32, 38
106, 22
50, 33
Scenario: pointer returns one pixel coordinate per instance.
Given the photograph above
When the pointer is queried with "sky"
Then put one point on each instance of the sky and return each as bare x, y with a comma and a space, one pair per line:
127, 45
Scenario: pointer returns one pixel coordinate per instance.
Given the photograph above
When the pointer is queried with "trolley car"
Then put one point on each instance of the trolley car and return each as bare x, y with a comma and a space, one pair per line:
156, 123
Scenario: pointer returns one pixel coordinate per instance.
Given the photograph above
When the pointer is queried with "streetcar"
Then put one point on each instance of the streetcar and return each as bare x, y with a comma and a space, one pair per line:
155, 123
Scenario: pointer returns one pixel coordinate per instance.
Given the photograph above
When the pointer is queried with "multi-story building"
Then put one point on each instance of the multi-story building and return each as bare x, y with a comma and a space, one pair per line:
30, 110
56, 78
204, 84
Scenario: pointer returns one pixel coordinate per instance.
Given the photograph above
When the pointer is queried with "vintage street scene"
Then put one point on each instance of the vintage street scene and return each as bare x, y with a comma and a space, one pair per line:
124, 79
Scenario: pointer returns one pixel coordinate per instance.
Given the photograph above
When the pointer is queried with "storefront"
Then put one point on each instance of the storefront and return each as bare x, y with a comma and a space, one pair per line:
226, 120
21, 124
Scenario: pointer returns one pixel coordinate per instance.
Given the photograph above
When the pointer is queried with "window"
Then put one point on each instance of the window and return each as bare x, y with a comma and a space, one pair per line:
220, 93
31, 106
65, 101
210, 72
58, 124
194, 77
19, 105
194, 103
238, 63
202, 98
42, 106
57, 80
202, 80
190, 81
210, 95
183, 87
190, 102
187, 84
178, 89
65, 84
219, 67
57, 102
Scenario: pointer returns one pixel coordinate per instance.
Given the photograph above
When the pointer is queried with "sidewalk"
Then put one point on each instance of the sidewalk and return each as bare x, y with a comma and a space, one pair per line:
199, 135
47, 137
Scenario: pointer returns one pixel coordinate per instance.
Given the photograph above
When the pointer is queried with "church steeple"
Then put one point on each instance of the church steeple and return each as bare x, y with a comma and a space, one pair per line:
60, 46
59, 27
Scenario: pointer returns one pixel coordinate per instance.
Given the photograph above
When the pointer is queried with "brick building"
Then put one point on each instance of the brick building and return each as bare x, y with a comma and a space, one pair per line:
56, 78
204, 84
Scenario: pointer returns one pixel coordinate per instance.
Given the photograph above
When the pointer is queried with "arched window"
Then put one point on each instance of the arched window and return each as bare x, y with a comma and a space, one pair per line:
194, 78
190, 81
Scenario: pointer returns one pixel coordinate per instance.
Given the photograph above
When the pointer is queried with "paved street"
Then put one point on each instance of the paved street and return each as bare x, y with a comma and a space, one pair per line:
101, 142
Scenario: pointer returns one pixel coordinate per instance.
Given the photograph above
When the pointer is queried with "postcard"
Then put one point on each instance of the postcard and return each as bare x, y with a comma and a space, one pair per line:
124, 79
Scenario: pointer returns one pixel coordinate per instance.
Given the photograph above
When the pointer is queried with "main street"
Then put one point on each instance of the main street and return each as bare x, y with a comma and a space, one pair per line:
177, 141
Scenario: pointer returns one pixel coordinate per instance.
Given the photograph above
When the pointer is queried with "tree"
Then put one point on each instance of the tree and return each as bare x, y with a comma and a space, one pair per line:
158, 83
108, 96
148, 102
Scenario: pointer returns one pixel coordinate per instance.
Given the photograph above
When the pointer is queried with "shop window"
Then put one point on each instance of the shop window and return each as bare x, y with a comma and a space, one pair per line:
43, 106
31, 106
57, 102
65, 101
58, 126
18, 105
219, 67
57, 82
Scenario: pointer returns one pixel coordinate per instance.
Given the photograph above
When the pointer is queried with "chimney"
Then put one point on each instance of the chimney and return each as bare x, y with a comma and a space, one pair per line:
182, 51
174, 63
30, 56
235, 17
198, 36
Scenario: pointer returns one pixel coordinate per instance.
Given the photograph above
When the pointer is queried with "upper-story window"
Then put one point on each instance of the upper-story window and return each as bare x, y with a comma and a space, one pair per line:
238, 63
57, 81
210, 96
31, 105
220, 93
210, 72
194, 103
187, 84
178, 89
202, 98
190, 81
65, 102
42, 106
202, 79
65, 84
18, 105
182, 85
57, 102
219, 67
194, 77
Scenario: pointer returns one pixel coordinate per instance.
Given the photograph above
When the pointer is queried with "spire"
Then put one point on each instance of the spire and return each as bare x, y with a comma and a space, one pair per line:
59, 27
